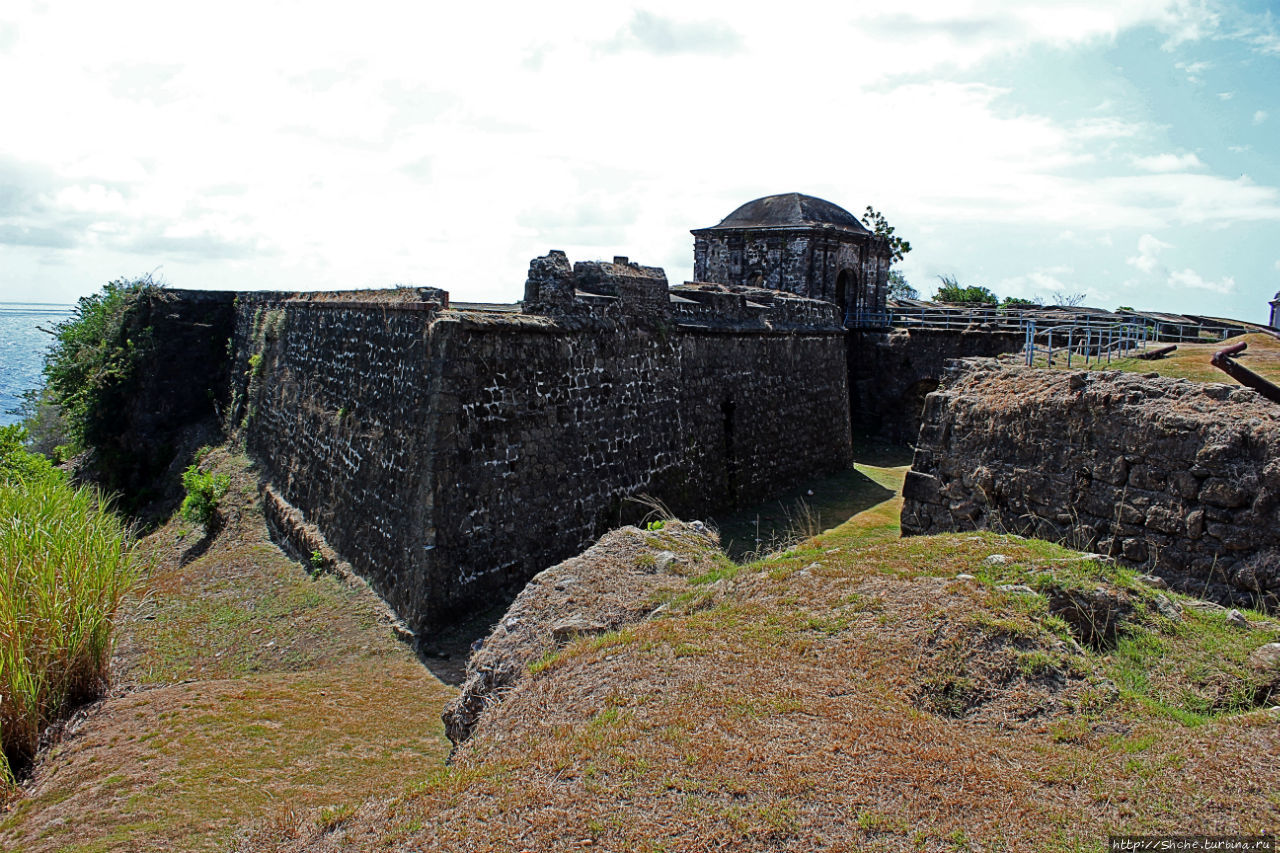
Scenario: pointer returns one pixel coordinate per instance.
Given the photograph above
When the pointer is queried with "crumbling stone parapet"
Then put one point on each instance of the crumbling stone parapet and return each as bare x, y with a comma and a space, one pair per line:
1177, 477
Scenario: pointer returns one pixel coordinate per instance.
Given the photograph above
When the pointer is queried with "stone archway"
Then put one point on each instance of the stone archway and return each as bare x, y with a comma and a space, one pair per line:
847, 293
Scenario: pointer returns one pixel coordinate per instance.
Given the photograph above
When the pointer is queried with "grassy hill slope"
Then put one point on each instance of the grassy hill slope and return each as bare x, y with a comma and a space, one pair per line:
854, 692
861, 692
244, 688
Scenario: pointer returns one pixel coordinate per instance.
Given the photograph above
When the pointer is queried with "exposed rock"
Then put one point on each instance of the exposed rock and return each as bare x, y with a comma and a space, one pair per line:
1166, 608
1154, 582
996, 560
576, 626
1266, 659
1236, 618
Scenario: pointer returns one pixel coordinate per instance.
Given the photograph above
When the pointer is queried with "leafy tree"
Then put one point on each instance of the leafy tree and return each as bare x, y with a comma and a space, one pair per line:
1124, 308
1017, 302
899, 288
93, 357
879, 226
952, 291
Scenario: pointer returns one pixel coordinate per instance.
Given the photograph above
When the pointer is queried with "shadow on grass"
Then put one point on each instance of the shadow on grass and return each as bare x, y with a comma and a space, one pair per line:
812, 506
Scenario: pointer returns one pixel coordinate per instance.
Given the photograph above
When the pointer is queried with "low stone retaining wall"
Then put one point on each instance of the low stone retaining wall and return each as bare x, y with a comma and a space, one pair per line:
1179, 478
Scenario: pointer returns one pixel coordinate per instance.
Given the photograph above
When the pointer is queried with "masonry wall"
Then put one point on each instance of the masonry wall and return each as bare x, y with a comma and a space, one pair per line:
451, 455
173, 403
891, 373
1179, 478
546, 428
805, 263
331, 398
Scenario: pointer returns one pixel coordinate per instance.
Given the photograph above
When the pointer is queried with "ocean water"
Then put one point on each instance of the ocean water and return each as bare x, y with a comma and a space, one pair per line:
22, 349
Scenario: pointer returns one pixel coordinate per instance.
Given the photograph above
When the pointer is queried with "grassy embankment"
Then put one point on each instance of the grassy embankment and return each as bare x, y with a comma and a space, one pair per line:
245, 685
853, 692
861, 692
66, 563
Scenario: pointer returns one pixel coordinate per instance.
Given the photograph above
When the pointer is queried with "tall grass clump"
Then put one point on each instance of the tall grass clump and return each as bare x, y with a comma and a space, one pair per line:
66, 562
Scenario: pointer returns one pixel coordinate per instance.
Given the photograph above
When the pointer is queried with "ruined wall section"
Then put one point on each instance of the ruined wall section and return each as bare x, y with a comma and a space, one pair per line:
332, 393
891, 373
1180, 478
171, 404
450, 455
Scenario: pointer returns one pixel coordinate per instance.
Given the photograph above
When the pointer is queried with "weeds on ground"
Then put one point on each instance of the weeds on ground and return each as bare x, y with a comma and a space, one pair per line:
204, 491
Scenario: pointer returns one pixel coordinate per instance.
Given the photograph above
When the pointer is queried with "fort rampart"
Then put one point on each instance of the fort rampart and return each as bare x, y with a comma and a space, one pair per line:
449, 455
1179, 478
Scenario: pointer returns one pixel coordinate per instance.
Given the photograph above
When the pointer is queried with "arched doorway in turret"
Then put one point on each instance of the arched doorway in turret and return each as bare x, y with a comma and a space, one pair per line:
848, 294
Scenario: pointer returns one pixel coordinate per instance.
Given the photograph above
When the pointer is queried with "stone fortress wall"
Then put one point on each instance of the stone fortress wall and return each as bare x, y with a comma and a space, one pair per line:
1179, 478
449, 454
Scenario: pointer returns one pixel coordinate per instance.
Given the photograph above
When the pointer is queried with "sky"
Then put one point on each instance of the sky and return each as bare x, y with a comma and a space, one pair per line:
1124, 151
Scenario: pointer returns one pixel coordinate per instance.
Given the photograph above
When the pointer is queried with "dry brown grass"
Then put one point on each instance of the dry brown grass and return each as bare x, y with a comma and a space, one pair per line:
850, 693
847, 695
243, 686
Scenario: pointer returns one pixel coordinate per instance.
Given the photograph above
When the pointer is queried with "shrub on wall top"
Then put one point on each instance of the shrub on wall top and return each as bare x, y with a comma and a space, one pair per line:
93, 359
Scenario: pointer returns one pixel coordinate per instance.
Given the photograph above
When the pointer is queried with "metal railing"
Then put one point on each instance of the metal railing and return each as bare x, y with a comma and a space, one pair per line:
864, 319
1091, 343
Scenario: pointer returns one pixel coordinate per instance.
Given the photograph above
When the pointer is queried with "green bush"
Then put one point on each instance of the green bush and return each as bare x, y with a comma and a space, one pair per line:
17, 465
66, 562
204, 490
92, 362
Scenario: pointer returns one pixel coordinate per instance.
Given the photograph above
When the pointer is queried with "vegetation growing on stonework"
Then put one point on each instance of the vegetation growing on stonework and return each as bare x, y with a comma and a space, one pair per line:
92, 364
879, 226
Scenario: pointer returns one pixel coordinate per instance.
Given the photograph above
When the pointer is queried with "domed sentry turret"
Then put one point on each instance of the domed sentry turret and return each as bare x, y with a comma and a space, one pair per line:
1275, 312
802, 245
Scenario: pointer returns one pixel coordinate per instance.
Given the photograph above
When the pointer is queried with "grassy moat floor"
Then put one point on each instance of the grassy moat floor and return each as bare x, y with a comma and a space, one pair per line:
856, 691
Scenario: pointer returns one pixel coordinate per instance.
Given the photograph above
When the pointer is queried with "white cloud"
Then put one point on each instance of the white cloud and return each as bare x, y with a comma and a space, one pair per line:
1193, 70
1168, 162
1149, 248
447, 144
1260, 116
1192, 279
666, 36
1226, 96
1048, 285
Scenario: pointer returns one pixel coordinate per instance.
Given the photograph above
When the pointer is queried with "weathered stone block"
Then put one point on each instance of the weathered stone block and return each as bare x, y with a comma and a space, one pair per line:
1223, 493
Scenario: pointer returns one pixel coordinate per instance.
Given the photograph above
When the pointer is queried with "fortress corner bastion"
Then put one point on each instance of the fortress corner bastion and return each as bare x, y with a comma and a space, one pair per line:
452, 452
